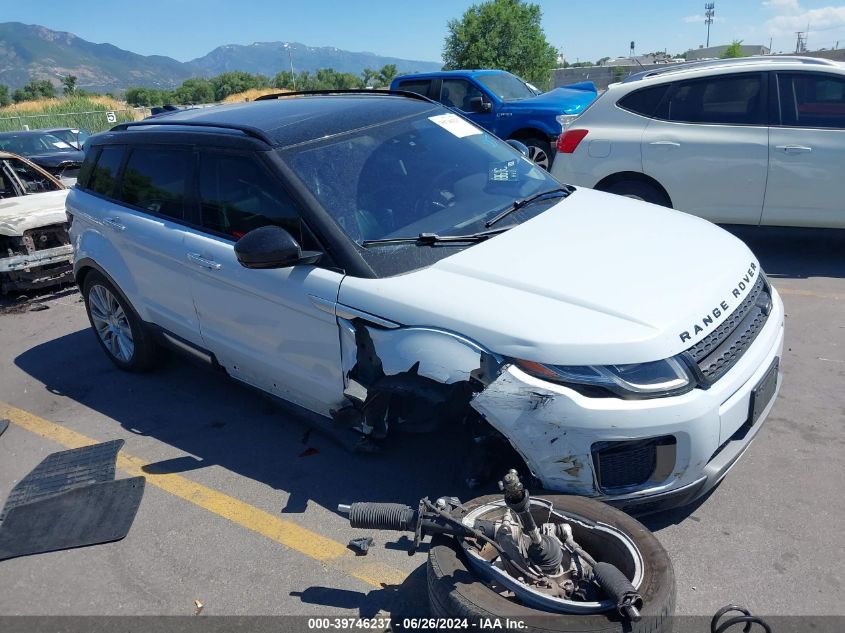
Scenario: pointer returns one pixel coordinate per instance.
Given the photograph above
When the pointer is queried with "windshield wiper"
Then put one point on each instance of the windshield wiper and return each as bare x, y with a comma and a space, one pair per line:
429, 239
519, 204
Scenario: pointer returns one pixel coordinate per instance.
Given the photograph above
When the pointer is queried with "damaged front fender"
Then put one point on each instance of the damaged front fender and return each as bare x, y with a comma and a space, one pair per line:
414, 378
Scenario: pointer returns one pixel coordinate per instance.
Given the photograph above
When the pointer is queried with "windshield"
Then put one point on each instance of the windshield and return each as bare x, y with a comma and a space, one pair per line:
506, 86
427, 173
32, 145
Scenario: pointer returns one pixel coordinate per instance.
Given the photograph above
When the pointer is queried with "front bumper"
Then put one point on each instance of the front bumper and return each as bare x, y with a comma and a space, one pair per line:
555, 428
38, 269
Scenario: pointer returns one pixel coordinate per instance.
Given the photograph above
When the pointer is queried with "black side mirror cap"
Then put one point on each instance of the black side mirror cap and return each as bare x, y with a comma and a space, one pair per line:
272, 247
480, 104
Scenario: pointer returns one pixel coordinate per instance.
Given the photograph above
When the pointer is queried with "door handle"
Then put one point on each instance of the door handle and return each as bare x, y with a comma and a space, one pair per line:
665, 143
794, 149
198, 259
114, 224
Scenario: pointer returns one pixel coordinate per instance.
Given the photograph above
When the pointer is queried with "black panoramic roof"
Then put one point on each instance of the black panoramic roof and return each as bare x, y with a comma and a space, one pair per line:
291, 120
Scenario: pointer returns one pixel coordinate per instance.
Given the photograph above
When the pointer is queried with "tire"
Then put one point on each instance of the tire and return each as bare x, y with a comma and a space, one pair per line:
117, 327
455, 592
639, 190
539, 151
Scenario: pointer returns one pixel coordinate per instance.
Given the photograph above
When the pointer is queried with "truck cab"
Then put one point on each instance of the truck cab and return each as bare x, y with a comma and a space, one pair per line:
504, 104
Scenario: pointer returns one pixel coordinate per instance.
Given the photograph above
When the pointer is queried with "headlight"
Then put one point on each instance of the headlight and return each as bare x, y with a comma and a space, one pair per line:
637, 380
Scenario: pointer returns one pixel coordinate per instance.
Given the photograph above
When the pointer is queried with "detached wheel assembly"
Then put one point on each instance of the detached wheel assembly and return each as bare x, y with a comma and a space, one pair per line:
558, 563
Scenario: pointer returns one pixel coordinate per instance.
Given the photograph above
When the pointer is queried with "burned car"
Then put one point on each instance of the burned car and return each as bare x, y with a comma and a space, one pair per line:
385, 265
35, 250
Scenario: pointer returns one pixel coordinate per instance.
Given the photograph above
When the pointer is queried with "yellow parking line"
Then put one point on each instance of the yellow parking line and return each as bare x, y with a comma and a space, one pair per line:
810, 293
329, 552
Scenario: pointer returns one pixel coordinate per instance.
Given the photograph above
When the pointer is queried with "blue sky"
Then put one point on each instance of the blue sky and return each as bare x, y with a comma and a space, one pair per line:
583, 29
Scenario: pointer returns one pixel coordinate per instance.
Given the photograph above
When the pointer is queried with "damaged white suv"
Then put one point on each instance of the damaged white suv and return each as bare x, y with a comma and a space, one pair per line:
380, 262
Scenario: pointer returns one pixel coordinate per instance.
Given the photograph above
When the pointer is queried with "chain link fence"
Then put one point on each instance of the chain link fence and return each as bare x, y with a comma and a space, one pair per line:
93, 120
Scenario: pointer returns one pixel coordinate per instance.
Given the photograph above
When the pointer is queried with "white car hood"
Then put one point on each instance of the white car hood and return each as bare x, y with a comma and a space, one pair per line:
32, 211
596, 279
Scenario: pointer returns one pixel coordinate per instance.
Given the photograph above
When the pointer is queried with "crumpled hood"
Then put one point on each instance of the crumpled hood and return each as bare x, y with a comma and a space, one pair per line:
559, 100
32, 211
596, 279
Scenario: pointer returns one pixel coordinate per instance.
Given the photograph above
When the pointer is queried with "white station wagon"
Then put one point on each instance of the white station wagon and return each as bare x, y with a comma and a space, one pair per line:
758, 140
382, 263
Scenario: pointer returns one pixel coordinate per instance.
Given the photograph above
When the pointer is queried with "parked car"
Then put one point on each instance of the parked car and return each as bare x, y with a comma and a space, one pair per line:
748, 141
384, 264
35, 250
47, 151
504, 104
74, 137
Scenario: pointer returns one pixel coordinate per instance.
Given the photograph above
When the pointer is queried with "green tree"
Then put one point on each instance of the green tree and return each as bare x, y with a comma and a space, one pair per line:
386, 74
69, 83
284, 80
146, 97
35, 89
734, 49
504, 34
237, 81
5, 99
193, 91
369, 77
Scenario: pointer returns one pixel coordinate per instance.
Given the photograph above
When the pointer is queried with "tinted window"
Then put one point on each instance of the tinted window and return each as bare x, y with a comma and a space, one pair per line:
104, 174
238, 195
812, 100
420, 86
506, 86
732, 100
87, 168
644, 101
456, 93
156, 179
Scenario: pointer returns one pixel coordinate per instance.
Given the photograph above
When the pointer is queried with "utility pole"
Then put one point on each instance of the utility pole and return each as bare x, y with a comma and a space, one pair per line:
709, 12
290, 59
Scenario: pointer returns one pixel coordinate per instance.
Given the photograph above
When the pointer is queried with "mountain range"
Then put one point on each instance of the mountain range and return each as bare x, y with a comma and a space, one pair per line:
29, 51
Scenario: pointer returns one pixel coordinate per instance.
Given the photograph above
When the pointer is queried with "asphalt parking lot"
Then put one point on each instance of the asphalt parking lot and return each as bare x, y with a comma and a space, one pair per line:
239, 506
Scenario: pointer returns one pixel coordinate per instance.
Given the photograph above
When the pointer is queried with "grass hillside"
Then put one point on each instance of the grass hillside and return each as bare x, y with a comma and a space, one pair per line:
88, 112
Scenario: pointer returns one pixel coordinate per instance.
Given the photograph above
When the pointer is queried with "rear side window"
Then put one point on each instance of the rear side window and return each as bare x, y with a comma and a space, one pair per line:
104, 174
644, 101
420, 86
87, 167
237, 195
726, 99
812, 100
156, 179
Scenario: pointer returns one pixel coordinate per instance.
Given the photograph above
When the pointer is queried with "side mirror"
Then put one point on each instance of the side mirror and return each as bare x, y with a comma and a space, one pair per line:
479, 104
522, 148
272, 247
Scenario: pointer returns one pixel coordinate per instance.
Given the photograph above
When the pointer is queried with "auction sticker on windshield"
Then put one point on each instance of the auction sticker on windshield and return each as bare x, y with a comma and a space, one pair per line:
455, 124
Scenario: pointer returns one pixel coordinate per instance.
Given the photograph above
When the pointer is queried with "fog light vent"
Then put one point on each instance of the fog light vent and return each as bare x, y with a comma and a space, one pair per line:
632, 463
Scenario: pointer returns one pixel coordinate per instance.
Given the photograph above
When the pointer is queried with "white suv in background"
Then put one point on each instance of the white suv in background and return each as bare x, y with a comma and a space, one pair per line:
747, 141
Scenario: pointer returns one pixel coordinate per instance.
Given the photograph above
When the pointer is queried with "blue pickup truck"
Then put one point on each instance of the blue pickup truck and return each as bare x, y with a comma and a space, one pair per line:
505, 105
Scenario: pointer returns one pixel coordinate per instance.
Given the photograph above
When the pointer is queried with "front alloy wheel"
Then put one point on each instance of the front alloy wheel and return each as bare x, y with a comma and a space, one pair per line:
119, 330
111, 323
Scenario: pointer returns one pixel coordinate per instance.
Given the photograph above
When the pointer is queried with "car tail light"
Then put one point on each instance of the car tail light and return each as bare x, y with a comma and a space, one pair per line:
569, 140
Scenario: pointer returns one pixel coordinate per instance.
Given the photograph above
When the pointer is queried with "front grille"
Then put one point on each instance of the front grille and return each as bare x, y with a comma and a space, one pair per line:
621, 465
720, 350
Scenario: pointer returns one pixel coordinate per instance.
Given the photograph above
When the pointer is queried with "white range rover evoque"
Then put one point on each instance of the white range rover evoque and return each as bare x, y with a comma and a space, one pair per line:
380, 262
